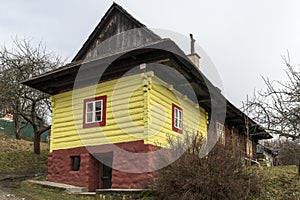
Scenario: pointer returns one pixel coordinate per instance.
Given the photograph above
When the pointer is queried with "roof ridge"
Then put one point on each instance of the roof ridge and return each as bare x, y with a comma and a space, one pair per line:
102, 22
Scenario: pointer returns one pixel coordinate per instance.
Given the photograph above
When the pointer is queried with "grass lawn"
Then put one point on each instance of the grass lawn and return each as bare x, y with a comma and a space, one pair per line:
281, 183
38, 192
16, 156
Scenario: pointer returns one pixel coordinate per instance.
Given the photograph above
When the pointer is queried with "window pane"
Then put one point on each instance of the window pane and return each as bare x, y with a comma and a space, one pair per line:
89, 117
180, 114
98, 106
89, 107
98, 116
180, 124
220, 132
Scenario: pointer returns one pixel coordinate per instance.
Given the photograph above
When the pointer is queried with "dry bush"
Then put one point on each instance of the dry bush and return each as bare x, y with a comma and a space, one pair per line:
220, 175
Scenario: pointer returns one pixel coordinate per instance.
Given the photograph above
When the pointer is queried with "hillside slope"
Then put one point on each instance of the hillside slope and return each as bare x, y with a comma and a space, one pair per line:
16, 156
282, 183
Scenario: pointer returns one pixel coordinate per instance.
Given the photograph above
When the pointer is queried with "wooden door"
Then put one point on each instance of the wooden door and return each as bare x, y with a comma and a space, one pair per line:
105, 168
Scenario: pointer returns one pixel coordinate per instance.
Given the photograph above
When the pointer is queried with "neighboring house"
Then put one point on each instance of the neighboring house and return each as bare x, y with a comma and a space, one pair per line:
134, 107
7, 117
267, 153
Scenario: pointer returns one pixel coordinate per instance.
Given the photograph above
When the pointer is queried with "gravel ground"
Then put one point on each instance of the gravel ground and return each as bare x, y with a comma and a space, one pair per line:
6, 195
10, 182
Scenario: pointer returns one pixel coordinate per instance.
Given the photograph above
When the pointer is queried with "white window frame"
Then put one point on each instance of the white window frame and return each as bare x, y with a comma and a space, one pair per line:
221, 132
249, 147
94, 112
178, 118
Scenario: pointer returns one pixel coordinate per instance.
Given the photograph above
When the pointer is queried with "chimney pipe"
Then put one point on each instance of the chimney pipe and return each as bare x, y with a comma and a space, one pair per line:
192, 44
194, 57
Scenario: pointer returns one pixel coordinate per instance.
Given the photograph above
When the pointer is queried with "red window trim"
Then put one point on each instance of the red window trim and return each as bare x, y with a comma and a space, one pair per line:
103, 122
173, 125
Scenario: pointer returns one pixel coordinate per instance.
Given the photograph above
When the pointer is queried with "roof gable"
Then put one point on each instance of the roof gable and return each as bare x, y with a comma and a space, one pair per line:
114, 24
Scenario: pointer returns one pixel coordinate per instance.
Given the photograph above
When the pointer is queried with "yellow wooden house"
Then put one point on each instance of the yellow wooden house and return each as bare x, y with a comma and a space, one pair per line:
115, 105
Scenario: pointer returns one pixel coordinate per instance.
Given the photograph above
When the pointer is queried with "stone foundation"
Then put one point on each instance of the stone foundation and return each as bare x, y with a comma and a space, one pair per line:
60, 169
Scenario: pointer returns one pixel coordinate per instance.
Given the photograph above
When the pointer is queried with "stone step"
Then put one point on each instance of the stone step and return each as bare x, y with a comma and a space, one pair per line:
68, 188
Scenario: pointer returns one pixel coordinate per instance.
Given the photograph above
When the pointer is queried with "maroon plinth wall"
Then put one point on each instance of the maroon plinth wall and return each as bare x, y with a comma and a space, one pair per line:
125, 161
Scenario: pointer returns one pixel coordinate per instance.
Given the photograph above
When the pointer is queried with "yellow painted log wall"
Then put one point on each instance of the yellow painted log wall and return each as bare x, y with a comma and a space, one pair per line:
124, 114
139, 107
160, 106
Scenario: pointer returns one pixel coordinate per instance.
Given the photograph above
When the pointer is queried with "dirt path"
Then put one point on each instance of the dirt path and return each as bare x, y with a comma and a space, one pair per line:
10, 182
7, 195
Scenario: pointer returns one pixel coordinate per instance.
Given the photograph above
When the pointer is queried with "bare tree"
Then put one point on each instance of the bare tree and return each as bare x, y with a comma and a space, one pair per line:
20, 63
10, 91
288, 151
278, 107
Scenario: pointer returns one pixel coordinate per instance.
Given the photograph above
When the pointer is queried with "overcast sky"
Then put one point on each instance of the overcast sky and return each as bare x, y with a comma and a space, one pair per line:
244, 39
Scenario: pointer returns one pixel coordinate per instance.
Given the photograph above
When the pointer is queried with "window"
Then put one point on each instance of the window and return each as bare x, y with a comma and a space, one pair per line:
75, 163
177, 118
94, 112
221, 132
249, 148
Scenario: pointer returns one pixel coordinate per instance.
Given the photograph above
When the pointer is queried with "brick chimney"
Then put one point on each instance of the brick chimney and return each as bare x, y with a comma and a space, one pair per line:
193, 56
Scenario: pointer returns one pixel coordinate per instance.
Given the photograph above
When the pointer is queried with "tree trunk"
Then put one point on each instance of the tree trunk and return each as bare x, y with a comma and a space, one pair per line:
37, 143
17, 126
299, 168
18, 132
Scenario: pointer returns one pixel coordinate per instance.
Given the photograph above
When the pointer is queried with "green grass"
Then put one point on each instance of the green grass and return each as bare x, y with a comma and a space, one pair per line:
282, 183
38, 192
16, 156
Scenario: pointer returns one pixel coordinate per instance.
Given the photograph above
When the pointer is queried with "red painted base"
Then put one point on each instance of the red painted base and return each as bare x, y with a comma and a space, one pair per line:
124, 162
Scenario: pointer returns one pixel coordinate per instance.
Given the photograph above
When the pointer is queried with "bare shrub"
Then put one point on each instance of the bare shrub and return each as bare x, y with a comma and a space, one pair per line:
220, 175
